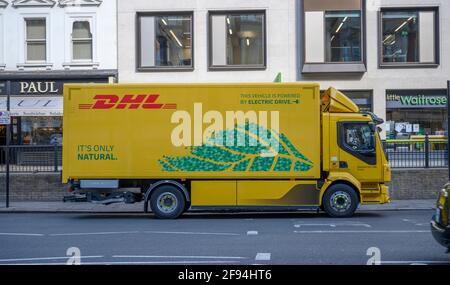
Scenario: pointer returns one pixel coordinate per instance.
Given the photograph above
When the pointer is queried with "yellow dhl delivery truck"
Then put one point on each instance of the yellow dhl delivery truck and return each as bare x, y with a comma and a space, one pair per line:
192, 146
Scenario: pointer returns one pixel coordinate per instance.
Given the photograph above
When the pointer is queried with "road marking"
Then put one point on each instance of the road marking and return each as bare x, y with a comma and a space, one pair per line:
94, 233
417, 262
371, 231
47, 258
334, 225
179, 256
191, 233
262, 256
252, 233
21, 234
415, 222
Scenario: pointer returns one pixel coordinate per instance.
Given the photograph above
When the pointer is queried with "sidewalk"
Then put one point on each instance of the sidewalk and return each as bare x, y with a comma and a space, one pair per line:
60, 207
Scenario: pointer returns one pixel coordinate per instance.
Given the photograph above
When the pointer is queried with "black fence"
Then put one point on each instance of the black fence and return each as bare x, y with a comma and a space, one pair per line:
411, 153
417, 153
32, 158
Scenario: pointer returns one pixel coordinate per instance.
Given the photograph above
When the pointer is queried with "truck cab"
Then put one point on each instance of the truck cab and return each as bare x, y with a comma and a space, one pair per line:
353, 153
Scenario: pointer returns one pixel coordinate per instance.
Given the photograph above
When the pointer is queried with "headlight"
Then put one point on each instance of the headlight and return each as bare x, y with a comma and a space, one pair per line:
442, 209
442, 199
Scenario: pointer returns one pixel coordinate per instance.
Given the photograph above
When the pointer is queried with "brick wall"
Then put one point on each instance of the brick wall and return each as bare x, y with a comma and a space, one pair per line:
406, 184
33, 187
417, 183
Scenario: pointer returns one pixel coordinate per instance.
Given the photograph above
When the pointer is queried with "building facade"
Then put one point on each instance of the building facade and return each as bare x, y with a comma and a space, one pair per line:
45, 44
387, 55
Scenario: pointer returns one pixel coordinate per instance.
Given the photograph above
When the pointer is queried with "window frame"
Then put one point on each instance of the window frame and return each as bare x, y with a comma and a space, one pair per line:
242, 67
333, 67
70, 18
71, 39
139, 67
418, 9
26, 41
362, 46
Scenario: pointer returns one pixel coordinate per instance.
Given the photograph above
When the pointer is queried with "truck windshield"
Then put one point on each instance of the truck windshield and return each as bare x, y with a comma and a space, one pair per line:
359, 137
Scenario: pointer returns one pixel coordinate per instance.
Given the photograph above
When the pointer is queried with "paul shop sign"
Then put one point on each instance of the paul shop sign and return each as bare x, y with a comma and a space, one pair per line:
33, 88
41, 87
404, 99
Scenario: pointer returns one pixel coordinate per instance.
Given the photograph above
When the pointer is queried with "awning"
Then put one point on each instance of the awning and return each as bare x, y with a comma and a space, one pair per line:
33, 106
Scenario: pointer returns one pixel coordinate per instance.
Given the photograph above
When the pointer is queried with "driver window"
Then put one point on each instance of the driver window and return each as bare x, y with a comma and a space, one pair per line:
359, 137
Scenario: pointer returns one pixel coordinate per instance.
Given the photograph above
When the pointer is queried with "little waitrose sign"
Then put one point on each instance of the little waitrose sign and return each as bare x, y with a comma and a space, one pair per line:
431, 98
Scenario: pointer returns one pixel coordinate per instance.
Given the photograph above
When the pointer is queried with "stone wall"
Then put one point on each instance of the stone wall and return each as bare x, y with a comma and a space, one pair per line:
406, 184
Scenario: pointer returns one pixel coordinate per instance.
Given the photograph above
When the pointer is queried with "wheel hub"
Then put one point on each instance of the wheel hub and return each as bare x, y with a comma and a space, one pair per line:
167, 202
341, 201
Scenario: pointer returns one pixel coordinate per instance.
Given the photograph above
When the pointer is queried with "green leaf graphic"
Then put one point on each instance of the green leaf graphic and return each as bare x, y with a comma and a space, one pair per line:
240, 149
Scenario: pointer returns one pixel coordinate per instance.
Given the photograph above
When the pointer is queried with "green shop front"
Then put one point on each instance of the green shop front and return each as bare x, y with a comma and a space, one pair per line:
411, 113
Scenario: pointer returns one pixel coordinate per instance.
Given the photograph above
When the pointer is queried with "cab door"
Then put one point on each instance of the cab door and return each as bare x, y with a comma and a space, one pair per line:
358, 151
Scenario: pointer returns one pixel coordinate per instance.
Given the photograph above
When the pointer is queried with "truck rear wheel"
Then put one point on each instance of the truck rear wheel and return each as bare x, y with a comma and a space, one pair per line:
340, 200
167, 202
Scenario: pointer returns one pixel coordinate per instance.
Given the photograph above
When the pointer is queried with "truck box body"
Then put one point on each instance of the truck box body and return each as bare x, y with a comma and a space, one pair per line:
195, 131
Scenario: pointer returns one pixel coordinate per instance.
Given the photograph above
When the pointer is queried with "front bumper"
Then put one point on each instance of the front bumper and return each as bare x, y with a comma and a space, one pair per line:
440, 234
385, 198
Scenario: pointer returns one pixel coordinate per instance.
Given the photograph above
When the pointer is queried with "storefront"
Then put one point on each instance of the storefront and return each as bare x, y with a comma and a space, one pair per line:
37, 106
416, 112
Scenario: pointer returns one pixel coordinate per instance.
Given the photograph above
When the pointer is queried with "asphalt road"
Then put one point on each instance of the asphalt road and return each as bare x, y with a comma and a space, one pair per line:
391, 237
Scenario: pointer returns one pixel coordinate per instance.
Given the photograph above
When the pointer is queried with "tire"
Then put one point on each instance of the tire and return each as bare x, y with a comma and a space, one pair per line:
167, 202
340, 201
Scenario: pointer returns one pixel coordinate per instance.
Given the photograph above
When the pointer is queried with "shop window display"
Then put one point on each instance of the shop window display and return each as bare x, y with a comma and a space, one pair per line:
41, 130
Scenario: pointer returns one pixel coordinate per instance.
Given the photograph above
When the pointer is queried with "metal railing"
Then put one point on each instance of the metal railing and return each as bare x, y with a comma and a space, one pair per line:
409, 153
417, 153
32, 158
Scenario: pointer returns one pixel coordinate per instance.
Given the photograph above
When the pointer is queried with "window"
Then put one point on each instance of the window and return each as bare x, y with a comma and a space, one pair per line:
36, 40
41, 130
343, 36
333, 36
404, 123
165, 41
237, 39
362, 98
400, 37
81, 41
358, 139
408, 36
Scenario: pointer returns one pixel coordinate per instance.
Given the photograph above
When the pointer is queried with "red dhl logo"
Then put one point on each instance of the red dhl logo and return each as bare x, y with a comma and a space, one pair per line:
143, 101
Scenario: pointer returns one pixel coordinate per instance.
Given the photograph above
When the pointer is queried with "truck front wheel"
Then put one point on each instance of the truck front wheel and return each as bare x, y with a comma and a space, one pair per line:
340, 200
167, 202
